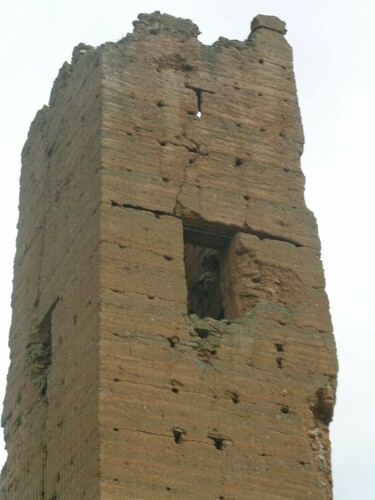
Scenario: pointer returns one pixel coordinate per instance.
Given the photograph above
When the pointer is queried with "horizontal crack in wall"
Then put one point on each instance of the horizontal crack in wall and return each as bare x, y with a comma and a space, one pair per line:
262, 235
137, 207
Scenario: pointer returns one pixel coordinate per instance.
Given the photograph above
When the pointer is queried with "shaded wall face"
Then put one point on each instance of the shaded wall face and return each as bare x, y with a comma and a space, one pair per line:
50, 410
201, 149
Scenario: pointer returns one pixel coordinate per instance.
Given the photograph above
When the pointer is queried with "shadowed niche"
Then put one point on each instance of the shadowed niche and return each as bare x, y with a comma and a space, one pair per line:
203, 254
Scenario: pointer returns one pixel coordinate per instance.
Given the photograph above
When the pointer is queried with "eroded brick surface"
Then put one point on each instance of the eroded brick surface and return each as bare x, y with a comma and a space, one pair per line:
171, 334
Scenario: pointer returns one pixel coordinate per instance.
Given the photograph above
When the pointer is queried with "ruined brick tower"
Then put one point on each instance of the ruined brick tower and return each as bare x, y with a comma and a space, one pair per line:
171, 336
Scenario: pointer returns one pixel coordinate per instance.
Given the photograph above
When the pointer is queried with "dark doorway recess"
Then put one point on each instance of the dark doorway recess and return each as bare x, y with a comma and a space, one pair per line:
203, 257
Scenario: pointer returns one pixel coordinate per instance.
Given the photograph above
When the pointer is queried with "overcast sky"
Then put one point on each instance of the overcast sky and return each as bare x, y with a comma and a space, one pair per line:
334, 55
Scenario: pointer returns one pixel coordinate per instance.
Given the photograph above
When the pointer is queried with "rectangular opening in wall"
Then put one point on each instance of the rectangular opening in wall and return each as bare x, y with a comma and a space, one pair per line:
203, 258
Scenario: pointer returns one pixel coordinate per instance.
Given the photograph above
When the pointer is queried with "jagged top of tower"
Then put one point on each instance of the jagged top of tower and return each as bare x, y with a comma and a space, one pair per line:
156, 22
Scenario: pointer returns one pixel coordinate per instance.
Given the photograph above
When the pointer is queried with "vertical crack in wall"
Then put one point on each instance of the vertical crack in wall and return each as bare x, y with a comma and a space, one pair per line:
198, 92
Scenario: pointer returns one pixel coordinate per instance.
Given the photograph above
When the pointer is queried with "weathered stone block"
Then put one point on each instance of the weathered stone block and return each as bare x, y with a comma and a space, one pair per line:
269, 22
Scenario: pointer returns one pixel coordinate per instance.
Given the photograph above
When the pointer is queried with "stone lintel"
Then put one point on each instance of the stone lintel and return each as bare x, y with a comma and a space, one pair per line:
269, 22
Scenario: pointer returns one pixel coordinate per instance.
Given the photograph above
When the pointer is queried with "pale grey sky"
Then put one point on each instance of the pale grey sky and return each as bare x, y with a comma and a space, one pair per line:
334, 51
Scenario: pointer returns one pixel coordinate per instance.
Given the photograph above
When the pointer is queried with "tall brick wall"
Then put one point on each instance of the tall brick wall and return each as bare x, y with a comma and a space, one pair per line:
171, 335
